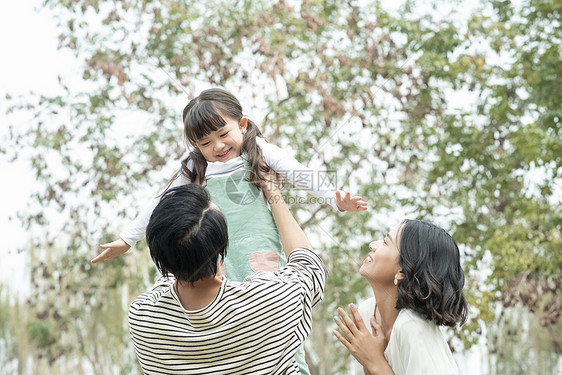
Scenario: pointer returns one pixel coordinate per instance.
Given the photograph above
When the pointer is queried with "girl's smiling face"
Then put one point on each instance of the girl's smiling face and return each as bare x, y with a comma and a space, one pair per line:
223, 144
381, 264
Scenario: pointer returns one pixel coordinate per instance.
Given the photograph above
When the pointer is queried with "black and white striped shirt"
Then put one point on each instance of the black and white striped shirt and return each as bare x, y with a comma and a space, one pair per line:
252, 327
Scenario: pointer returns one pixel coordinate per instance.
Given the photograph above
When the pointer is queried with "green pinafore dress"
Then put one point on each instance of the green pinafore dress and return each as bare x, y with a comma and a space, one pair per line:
254, 244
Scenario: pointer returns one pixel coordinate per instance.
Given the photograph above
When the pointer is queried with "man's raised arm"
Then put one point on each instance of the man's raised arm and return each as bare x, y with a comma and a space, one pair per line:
292, 235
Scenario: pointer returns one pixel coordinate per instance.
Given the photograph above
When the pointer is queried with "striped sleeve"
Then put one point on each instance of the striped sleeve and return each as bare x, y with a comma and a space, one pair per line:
312, 270
307, 269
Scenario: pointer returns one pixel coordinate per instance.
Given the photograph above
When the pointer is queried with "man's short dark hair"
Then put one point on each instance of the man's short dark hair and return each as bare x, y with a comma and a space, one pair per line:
185, 235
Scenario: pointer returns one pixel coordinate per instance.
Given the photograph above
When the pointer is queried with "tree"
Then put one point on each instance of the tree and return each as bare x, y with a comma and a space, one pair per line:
510, 171
352, 87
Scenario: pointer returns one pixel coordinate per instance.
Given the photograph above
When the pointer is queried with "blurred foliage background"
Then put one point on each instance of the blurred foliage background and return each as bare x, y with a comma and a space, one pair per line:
439, 111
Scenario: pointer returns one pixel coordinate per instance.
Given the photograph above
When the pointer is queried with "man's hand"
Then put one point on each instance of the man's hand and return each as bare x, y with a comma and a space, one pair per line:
349, 203
292, 235
113, 249
271, 184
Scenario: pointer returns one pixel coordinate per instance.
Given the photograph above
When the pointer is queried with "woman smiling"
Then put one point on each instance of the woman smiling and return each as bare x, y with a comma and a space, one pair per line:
417, 279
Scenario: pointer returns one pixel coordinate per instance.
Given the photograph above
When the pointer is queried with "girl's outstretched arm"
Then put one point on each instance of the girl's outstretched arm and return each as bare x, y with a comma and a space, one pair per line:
112, 250
135, 230
308, 179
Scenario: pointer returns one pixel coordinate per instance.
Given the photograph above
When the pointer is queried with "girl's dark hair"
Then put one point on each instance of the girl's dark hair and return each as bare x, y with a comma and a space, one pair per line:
433, 277
185, 236
207, 113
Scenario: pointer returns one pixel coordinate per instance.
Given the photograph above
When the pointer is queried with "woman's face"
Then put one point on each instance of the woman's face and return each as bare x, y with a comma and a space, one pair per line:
381, 264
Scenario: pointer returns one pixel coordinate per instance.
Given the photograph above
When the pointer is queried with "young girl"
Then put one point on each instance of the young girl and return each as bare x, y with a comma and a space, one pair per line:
417, 280
228, 156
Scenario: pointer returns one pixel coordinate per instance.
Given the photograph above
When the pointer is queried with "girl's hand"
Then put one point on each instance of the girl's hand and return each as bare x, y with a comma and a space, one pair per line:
348, 203
367, 348
113, 249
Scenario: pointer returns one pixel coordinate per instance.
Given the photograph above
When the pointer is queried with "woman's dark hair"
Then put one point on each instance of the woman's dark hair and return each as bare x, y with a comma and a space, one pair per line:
185, 235
433, 276
207, 113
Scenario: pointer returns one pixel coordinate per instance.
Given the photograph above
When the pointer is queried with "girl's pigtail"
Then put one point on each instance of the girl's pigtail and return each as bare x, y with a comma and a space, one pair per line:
253, 153
197, 174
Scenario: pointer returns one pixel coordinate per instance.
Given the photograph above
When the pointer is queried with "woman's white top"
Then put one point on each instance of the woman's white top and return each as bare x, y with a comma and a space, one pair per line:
302, 177
417, 346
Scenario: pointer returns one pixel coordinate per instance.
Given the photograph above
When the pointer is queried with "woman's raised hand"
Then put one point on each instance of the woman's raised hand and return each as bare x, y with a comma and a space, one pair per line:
367, 348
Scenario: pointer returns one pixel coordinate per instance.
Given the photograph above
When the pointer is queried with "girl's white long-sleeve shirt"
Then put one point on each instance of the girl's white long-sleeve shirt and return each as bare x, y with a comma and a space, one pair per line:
316, 182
